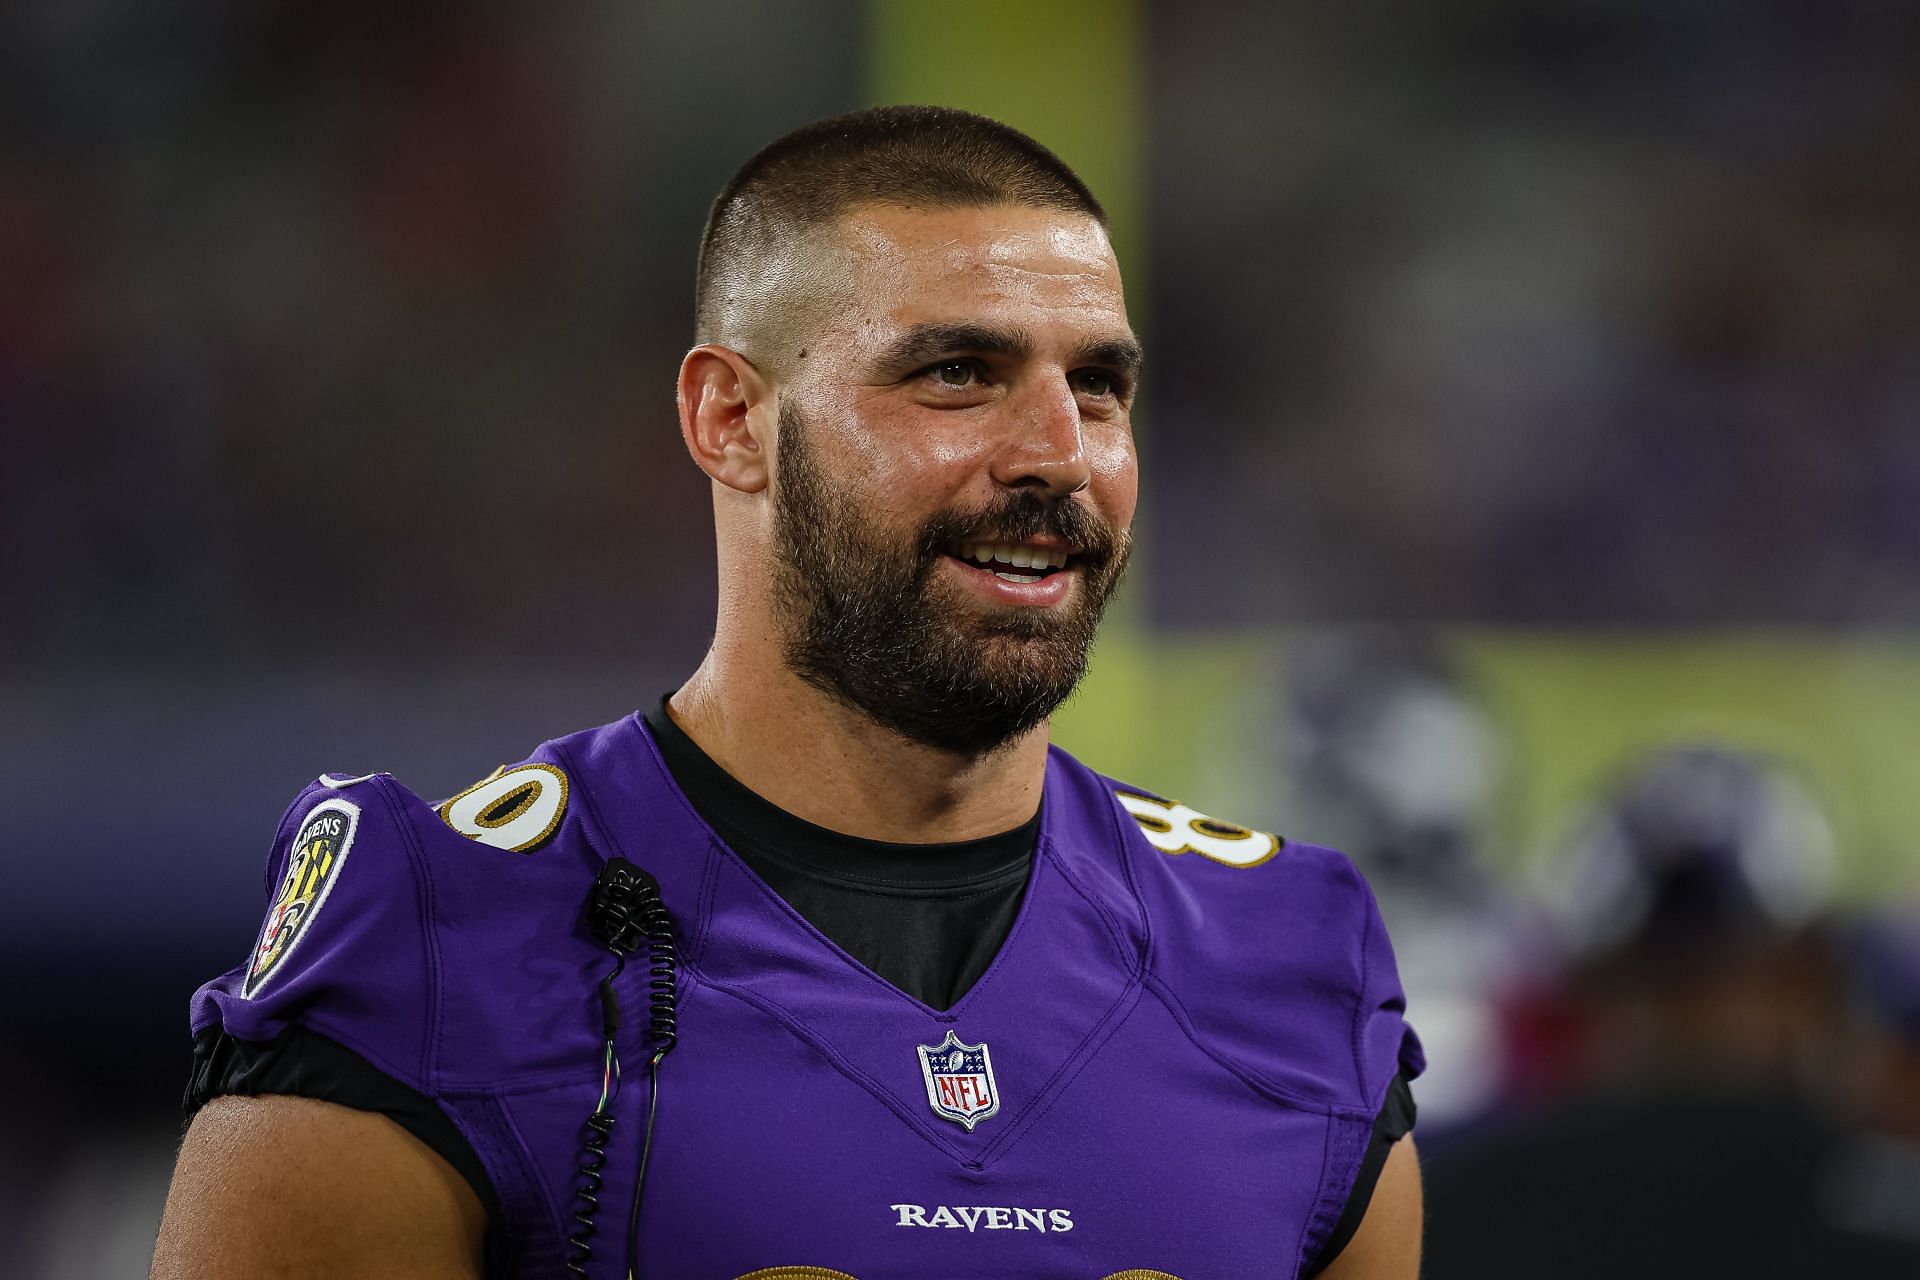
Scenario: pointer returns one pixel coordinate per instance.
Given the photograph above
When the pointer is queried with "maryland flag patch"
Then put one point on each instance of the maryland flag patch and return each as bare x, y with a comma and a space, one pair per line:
319, 852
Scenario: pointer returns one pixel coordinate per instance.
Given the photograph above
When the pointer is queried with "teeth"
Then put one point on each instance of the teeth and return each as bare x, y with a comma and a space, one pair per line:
1019, 557
1017, 577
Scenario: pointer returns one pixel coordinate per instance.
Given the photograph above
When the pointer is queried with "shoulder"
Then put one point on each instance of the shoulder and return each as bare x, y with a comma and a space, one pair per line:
1202, 875
345, 927
1270, 951
535, 807
400, 924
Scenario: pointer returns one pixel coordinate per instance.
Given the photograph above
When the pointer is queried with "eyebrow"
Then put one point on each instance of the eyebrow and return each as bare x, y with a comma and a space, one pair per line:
1122, 355
924, 343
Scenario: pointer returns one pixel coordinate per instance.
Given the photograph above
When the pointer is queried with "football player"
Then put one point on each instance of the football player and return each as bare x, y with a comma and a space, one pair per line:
829, 964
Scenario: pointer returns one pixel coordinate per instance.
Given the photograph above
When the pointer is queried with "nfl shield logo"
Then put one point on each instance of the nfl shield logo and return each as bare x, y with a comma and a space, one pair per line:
960, 1084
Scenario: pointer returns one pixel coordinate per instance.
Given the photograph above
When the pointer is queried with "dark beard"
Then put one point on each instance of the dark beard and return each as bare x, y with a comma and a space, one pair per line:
866, 623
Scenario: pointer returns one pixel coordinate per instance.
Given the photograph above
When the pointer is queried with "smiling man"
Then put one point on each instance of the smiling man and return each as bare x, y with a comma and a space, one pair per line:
940, 1000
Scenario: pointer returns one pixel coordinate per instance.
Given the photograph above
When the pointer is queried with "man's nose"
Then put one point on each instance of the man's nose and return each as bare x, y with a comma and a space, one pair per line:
1045, 448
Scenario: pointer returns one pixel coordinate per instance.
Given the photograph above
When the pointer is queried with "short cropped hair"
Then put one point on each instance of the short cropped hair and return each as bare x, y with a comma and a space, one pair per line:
918, 157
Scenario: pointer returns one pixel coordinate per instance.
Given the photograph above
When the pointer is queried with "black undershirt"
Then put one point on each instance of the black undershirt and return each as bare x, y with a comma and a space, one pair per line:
927, 918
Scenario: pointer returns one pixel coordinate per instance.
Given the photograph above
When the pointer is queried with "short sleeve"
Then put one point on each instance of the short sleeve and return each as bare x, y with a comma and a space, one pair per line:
345, 948
1386, 1043
1394, 1122
1387, 1057
1284, 966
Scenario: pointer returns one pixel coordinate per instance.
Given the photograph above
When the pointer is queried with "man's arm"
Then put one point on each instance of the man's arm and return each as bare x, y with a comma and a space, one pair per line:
1387, 1244
292, 1187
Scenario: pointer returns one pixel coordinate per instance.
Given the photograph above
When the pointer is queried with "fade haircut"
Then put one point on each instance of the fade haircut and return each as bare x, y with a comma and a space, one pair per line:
796, 188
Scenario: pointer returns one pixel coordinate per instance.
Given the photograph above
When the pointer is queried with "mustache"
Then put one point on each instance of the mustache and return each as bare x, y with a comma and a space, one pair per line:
1017, 517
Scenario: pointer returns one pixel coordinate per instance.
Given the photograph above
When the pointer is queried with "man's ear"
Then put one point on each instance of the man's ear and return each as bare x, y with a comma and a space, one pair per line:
725, 405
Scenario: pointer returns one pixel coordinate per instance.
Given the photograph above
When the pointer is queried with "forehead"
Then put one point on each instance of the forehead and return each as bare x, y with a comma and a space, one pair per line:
1048, 270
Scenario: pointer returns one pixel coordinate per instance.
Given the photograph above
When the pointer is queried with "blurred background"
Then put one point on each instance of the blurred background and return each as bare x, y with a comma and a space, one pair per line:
1532, 509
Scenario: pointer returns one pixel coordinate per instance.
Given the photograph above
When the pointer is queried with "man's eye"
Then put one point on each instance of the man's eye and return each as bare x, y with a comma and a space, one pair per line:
1095, 382
956, 373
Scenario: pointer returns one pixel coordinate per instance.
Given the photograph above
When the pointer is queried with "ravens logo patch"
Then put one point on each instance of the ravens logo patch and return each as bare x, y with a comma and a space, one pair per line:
313, 867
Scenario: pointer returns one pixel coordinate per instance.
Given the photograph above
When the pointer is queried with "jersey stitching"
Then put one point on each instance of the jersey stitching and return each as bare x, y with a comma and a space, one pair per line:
590, 803
555, 1078
1071, 1066
549, 1205
1014, 934
480, 1137
781, 1014
639, 723
1120, 833
1360, 1000
696, 945
424, 1074
598, 833
696, 954
1246, 1076
719, 850
485, 1109
1121, 951
693, 946
430, 937
320, 1023
1307, 1220
1074, 1061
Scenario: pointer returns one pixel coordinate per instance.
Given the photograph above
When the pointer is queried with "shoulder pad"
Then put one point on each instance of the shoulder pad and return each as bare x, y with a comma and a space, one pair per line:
446, 943
1274, 953
345, 945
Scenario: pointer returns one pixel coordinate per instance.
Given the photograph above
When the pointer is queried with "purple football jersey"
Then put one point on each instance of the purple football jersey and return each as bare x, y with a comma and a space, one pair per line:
1172, 1067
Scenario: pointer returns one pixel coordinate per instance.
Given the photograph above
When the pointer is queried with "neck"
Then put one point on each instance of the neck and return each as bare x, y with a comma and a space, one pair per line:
821, 760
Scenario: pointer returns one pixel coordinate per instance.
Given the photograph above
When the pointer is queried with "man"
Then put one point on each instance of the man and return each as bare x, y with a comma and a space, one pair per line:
940, 1001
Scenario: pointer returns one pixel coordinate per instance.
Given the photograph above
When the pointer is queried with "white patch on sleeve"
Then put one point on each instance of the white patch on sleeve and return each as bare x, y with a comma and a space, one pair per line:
1173, 828
515, 809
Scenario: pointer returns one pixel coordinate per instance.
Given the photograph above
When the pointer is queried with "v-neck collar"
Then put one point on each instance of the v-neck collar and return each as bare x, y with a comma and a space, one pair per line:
1064, 978
740, 815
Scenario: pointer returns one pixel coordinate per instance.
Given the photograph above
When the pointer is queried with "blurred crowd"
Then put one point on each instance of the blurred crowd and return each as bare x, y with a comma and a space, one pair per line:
1595, 311
1672, 1051
304, 302
1589, 312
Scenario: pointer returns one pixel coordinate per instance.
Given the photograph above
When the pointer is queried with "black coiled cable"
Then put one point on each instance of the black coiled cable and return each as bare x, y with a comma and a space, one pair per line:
625, 911
599, 1129
593, 1159
663, 964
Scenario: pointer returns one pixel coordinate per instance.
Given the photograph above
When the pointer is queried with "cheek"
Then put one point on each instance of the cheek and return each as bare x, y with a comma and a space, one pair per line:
964, 448
885, 485
911, 465
1116, 476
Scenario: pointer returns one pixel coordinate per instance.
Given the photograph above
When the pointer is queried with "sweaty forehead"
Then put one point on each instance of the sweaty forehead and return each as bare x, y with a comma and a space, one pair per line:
1001, 263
